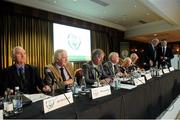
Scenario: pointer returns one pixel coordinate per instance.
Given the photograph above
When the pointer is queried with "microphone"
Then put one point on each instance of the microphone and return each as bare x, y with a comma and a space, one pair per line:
54, 81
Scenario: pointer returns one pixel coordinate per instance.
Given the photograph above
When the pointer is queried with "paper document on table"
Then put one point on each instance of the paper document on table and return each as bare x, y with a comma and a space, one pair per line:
1, 114
127, 86
36, 97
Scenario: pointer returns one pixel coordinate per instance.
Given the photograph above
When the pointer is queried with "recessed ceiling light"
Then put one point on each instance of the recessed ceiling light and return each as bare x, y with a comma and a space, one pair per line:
155, 34
75, 0
55, 1
147, 14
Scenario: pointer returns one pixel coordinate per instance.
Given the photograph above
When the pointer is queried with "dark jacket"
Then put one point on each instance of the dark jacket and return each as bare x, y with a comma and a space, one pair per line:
89, 73
150, 54
108, 67
167, 54
31, 82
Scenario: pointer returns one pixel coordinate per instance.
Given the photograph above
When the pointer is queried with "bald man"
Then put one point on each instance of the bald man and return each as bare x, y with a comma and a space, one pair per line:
150, 53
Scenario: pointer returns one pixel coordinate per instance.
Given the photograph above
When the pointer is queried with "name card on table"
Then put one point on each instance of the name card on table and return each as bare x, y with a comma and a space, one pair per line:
160, 72
139, 81
148, 76
56, 102
100, 91
171, 69
1, 114
166, 70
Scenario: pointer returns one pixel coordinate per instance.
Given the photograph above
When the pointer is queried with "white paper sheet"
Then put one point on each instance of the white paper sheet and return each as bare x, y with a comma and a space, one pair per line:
37, 97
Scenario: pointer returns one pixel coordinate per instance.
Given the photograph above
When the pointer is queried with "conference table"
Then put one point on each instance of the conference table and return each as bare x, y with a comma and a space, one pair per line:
145, 101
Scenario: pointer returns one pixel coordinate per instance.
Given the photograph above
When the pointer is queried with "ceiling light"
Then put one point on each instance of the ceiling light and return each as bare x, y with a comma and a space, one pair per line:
55, 1
147, 14
135, 6
75, 0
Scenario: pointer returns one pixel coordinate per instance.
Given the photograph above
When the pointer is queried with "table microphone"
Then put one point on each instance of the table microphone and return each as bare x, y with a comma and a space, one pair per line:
54, 81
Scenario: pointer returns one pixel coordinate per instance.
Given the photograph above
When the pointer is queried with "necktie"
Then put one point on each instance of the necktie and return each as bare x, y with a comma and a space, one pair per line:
164, 51
114, 69
22, 77
62, 74
154, 53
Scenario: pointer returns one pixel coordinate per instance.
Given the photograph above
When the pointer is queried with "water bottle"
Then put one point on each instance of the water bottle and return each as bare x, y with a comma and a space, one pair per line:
116, 85
83, 86
8, 104
17, 101
75, 88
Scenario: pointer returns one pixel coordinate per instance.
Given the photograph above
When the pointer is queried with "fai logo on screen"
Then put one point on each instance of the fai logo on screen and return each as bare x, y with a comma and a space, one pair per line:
74, 41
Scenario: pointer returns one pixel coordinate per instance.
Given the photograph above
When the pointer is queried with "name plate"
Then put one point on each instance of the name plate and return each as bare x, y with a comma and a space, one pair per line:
166, 70
171, 69
56, 102
160, 72
1, 114
100, 91
139, 81
148, 76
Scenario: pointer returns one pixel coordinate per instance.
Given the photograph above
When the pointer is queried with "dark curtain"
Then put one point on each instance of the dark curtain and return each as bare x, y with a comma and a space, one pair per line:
100, 40
32, 29
34, 35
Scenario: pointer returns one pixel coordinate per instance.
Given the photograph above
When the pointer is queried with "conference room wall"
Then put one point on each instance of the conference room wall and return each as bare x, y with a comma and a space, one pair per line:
32, 29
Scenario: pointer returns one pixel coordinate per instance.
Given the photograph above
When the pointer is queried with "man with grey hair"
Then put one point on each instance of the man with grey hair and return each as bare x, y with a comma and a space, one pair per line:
94, 70
58, 75
150, 53
112, 67
23, 75
164, 55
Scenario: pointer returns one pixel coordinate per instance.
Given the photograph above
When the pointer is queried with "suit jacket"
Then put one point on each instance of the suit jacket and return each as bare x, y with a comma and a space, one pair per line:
57, 80
89, 73
150, 54
32, 79
108, 67
2, 80
168, 54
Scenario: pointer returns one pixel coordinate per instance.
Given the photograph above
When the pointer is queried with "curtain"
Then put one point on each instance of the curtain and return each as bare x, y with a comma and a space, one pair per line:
100, 40
34, 35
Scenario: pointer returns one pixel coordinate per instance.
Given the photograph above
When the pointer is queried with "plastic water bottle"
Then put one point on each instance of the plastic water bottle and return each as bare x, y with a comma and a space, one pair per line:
17, 101
83, 86
116, 85
75, 88
8, 104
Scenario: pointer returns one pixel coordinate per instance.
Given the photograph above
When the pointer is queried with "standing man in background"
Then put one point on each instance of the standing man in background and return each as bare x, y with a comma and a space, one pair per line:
23, 75
164, 55
58, 75
151, 53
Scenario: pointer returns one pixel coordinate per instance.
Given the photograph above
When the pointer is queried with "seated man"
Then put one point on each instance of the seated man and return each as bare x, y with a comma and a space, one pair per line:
23, 75
93, 70
134, 57
59, 74
127, 65
112, 67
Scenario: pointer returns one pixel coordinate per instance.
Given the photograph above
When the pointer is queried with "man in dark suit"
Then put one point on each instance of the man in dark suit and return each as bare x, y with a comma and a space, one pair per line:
93, 70
151, 53
23, 75
112, 67
164, 55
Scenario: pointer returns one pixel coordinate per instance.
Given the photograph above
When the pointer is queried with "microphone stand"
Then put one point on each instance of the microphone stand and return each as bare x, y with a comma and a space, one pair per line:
74, 106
